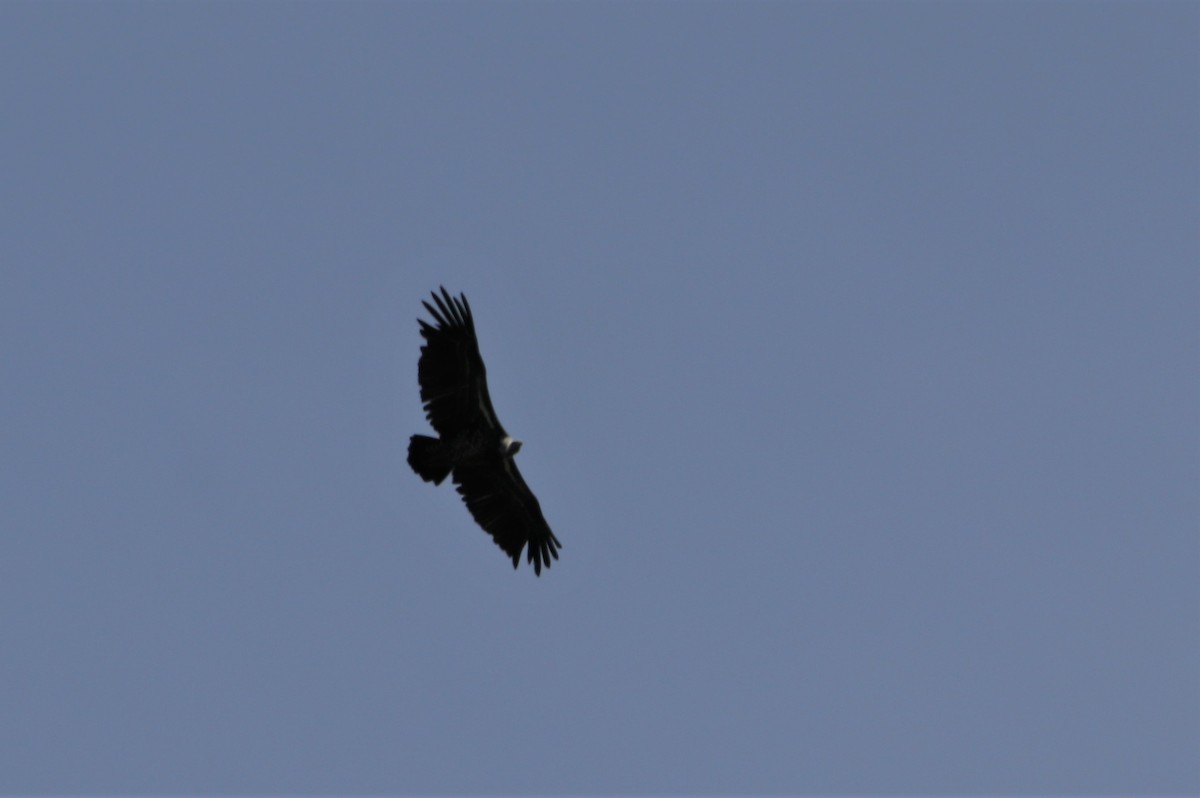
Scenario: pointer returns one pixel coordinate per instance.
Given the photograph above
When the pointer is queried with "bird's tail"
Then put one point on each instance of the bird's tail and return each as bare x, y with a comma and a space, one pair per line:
429, 458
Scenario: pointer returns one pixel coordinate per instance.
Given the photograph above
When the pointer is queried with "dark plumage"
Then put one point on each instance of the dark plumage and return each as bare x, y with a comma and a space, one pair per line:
472, 445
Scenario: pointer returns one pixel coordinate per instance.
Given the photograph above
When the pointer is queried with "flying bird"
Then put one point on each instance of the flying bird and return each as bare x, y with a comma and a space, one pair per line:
471, 443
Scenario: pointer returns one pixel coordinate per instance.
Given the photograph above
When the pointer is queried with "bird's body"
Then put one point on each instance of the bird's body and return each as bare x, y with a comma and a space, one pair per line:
471, 444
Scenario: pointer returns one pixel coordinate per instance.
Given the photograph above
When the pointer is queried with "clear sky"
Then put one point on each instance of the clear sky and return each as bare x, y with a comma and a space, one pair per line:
855, 348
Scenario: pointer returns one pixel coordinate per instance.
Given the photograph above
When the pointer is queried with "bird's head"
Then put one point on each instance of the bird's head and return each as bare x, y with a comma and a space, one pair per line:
509, 446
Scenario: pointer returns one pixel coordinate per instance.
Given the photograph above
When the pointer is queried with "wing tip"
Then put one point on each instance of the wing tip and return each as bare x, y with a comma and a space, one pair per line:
455, 311
543, 554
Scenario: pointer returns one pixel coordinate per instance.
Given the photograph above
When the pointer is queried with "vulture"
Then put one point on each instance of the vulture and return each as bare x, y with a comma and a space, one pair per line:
471, 444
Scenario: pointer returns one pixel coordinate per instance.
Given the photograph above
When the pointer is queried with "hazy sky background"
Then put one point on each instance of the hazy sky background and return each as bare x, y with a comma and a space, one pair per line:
855, 348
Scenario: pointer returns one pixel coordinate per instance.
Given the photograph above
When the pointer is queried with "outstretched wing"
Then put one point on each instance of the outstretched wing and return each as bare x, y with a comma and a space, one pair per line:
503, 505
450, 371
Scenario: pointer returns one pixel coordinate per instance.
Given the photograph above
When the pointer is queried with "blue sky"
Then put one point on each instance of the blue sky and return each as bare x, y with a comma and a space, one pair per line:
854, 347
